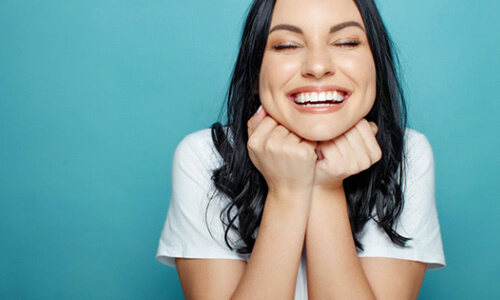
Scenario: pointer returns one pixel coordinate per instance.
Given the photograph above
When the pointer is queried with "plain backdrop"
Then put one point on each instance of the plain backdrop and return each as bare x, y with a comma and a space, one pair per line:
95, 96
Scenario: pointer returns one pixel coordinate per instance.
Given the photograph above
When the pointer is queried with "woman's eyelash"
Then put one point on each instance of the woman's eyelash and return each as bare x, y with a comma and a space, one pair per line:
285, 46
352, 43
348, 44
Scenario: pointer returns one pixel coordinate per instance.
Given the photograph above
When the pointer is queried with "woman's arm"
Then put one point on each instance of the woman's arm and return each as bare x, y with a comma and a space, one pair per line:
271, 272
209, 278
392, 278
287, 163
334, 270
333, 267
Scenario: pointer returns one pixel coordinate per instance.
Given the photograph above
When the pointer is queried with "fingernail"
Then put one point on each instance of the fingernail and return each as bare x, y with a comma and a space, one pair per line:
259, 109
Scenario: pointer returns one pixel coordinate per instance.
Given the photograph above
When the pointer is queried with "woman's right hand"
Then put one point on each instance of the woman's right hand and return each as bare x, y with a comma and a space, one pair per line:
286, 161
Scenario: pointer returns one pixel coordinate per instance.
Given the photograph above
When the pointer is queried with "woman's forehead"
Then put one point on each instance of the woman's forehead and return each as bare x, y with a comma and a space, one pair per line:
310, 12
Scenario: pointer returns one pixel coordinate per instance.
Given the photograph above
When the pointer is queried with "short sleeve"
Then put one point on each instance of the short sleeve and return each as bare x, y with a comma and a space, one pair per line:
193, 228
419, 218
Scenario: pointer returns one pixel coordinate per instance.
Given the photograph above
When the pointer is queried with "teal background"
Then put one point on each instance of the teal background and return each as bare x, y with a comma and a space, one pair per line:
95, 95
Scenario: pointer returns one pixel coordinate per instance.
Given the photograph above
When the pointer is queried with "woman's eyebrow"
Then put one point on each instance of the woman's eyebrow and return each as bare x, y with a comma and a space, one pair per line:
288, 27
343, 25
333, 29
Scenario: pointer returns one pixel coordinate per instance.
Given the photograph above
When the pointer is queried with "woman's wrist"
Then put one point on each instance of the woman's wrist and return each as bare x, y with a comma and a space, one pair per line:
291, 193
334, 191
333, 187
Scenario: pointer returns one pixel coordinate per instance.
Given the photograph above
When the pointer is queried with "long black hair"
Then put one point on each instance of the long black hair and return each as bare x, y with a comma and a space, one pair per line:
375, 193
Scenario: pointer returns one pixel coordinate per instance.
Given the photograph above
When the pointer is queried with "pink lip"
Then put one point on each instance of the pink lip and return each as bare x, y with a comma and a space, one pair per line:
314, 109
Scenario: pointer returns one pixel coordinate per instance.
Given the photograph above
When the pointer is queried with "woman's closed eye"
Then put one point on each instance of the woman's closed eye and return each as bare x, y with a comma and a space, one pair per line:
342, 44
347, 43
285, 46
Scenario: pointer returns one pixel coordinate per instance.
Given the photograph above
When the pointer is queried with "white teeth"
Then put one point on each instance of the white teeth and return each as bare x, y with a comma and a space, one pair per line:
322, 96
338, 96
314, 97
319, 97
329, 96
318, 104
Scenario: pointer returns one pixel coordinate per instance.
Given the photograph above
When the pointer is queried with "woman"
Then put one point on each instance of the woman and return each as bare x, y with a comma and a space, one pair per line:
301, 194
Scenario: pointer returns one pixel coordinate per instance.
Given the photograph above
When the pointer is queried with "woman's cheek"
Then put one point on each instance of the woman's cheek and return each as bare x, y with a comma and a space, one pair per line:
361, 68
276, 73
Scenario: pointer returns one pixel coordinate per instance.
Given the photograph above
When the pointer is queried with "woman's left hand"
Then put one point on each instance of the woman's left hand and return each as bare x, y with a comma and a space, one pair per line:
350, 153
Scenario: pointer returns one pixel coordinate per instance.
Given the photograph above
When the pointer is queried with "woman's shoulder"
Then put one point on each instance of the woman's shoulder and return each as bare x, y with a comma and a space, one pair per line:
196, 151
199, 142
415, 139
193, 228
201, 138
419, 175
418, 150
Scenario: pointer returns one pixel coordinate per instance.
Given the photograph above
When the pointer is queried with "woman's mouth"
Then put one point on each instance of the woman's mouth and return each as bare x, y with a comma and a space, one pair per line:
320, 99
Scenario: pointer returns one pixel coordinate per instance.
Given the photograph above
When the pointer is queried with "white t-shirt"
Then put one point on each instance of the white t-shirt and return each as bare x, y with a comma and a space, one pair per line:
185, 233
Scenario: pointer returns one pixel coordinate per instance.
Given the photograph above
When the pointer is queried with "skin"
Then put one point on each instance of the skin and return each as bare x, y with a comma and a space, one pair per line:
304, 159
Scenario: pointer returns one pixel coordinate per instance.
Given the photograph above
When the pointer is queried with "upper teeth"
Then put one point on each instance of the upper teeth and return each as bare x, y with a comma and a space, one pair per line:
318, 97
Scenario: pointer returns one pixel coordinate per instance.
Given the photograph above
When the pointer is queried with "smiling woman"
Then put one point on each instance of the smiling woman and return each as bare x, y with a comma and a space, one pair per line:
315, 188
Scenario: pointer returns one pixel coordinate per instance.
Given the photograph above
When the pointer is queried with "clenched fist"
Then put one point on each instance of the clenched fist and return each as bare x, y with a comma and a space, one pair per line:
286, 161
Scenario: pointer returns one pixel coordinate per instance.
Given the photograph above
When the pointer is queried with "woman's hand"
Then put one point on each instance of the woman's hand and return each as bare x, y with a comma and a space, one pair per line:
286, 161
350, 153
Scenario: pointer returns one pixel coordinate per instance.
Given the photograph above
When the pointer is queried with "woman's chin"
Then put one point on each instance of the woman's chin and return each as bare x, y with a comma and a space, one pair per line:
318, 135
321, 131
325, 130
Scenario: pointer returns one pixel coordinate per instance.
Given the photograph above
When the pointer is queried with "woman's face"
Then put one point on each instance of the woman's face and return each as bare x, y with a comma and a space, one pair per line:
318, 75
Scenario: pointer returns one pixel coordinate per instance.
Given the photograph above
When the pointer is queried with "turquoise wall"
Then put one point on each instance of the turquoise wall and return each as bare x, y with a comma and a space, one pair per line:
95, 95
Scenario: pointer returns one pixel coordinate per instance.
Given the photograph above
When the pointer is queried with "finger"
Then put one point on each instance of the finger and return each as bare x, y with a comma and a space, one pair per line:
329, 151
259, 115
344, 147
312, 145
373, 127
360, 150
280, 132
292, 137
366, 131
257, 137
296, 140
356, 141
265, 127
255, 120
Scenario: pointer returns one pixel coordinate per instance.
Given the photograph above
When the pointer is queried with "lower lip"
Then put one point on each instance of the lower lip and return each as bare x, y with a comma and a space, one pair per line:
318, 109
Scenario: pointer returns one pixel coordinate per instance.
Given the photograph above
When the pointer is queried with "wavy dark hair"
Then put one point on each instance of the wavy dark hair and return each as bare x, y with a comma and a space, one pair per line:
375, 193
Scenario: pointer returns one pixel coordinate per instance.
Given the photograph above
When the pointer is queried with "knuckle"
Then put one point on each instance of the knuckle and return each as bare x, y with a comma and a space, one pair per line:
270, 145
275, 143
365, 163
363, 123
253, 143
286, 149
303, 154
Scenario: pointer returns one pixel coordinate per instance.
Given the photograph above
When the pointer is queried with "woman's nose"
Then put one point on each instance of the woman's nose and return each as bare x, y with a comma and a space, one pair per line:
318, 64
